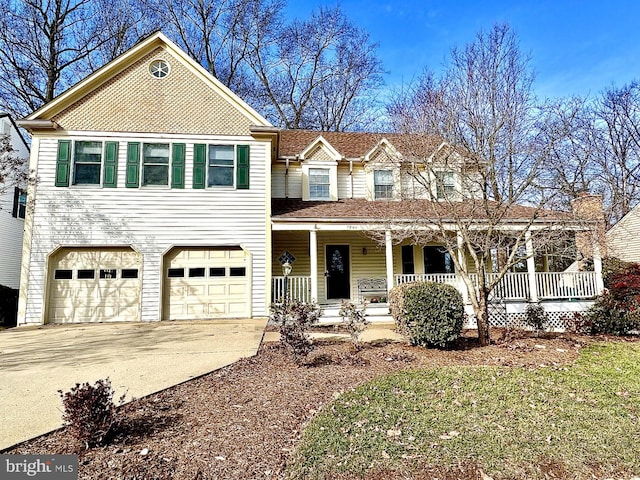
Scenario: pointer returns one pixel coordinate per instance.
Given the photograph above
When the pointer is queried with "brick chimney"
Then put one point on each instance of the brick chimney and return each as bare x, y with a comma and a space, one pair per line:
587, 208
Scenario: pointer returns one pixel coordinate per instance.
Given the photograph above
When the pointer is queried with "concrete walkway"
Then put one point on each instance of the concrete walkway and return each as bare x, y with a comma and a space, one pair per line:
139, 358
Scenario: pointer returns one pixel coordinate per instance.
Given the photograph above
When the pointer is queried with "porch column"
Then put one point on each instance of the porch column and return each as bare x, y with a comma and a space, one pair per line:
313, 255
389, 259
462, 261
531, 267
597, 267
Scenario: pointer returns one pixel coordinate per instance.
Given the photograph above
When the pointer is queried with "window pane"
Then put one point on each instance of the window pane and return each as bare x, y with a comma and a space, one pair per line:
319, 184
62, 274
108, 274
175, 273
217, 272
88, 152
87, 174
221, 154
383, 184
196, 272
129, 273
237, 271
220, 176
156, 153
155, 175
86, 274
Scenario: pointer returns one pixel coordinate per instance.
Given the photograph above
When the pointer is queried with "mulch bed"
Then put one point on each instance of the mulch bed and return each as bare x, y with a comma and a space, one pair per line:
244, 421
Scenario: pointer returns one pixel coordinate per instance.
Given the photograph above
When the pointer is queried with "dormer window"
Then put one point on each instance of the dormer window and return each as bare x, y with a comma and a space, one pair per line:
319, 184
382, 184
445, 184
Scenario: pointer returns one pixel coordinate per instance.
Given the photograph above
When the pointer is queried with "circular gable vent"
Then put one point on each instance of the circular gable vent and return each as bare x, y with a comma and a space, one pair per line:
159, 68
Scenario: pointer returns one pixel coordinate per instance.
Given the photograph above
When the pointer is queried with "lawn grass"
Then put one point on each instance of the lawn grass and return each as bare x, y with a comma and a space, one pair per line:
582, 419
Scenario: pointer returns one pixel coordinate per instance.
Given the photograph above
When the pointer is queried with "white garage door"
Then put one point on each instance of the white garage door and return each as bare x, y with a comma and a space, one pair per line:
205, 283
95, 285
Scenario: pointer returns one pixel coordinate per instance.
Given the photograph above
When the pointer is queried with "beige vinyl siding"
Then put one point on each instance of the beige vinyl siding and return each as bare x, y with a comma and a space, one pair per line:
296, 243
278, 184
623, 240
150, 219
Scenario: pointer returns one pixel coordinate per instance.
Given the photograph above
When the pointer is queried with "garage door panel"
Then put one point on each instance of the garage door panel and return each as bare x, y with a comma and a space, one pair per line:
94, 299
210, 293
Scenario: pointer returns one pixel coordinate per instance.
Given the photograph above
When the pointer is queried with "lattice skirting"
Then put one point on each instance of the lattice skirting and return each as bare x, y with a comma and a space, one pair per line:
514, 314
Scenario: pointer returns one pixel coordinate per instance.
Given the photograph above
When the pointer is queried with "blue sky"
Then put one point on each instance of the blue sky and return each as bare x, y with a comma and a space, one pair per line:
577, 47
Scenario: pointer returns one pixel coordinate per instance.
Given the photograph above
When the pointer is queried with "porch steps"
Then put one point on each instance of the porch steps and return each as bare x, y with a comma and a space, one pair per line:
378, 313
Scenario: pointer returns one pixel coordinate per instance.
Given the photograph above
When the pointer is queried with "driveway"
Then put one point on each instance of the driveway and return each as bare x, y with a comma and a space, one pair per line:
139, 358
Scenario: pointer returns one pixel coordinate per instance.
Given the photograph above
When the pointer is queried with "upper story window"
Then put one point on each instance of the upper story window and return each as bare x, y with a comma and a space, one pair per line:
221, 165
19, 203
319, 184
445, 184
87, 163
155, 164
382, 184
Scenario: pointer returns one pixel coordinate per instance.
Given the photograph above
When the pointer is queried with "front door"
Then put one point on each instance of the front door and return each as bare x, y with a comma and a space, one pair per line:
337, 271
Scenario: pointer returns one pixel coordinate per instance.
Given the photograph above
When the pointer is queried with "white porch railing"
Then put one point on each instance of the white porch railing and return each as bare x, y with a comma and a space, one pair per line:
566, 285
299, 288
515, 286
449, 278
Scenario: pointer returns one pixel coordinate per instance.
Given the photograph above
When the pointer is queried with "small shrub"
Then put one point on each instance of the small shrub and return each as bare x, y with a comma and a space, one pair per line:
354, 321
536, 317
396, 306
612, 266
293, 320
434, 314
610, 316
90, 413
578, 323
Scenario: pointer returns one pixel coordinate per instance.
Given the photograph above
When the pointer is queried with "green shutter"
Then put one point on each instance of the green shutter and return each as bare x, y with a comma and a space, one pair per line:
133, 165
110, 176
242, 167
177, 166
63, 163
199, 165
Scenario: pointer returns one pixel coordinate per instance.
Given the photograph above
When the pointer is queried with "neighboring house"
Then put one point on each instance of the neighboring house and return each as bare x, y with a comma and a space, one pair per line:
623, 239
163, 196
13, 204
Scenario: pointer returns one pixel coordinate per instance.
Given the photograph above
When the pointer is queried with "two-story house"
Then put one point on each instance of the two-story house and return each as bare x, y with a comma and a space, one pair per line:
163, 196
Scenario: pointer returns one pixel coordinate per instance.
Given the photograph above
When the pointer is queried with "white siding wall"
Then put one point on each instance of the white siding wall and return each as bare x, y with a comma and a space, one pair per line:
151, 220
10, 241
11, 228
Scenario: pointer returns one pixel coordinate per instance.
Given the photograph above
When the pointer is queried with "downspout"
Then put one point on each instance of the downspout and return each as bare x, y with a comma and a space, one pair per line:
286, 179
351, 176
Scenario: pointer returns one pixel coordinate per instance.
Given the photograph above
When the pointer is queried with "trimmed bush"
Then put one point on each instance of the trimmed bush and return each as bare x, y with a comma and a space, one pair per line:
433, 314
536, 317
396, 306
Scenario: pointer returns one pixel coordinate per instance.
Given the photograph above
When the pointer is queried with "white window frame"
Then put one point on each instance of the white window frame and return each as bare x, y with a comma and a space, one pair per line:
445, 189
144, 165
76, 162
332, 168
233, 165
389, 191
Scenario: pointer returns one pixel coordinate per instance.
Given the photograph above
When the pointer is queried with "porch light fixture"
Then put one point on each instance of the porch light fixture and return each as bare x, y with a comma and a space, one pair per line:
286, 269
364, 250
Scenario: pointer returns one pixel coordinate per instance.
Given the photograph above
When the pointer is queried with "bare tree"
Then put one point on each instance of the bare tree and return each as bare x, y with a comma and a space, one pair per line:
616, 137
47, 45
488, 187
319, 74
13, 168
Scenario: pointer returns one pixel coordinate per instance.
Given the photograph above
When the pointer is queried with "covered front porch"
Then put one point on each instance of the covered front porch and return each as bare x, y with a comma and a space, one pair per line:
335, 262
